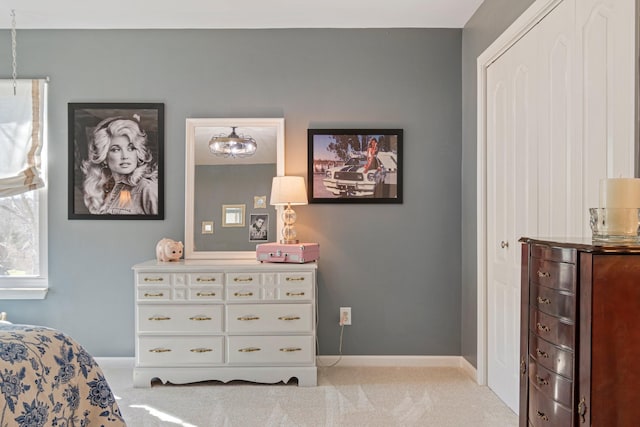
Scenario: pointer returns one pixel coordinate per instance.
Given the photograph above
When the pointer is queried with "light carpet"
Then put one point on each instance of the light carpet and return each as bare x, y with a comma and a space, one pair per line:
345, 396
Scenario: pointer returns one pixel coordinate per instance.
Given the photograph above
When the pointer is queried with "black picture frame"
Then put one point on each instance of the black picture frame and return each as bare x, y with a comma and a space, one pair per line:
145, 198
337, 159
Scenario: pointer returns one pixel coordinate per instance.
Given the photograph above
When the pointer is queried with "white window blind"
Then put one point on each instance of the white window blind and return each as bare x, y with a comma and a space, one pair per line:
21, 136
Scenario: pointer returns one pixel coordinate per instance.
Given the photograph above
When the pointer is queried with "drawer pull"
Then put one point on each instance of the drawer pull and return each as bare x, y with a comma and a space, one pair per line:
243, 279
541, 353
243, 294
542, 416
206, 294
159, 318
544, 274
290, 349
155, 294
206, 279
295, 279
200, 318
295, 294
200, 350
154, 279
159, 350
582, 410
249, 349
289, 318
504, 244
249, 318
541, 381
543, 300
543, 328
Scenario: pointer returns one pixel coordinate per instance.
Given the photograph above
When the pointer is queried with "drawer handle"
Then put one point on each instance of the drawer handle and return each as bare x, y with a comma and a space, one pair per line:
295, 294
289, 318
249, 318
200, 350
542, 416
159, 318
543, 300
504, 244
541, 381
243, 279
154, 279
295, 279
542, 327
543, 274
156, 294
582, 410
160, 350
206, 279
206, 294
243, 294
200, 318
290, 349
541, 353
249, 349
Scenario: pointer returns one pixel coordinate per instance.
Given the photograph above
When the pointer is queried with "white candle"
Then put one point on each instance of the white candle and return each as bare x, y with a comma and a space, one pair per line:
620, 193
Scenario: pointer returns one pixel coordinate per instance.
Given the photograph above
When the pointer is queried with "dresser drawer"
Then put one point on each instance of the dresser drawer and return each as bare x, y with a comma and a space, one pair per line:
200, 293
294, 292
145, 279
236, 278
551, 357
553, 302
184, 318
261, 350
180, 351
269, 318
544, 412
554, 253
552, 274
294, 278
552, 329
198, 279
550, 384
153, 293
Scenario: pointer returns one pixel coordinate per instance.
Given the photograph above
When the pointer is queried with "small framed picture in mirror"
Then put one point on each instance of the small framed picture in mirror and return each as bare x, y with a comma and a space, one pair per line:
233, 215
259, 202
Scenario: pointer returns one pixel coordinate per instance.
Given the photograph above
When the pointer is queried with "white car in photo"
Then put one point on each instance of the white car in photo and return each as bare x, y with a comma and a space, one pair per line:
350, 180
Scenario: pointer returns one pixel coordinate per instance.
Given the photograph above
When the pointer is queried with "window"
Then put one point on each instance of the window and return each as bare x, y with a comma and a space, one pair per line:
23, 195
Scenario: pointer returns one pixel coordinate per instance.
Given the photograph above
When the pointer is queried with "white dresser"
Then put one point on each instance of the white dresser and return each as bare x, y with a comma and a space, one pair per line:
225, 320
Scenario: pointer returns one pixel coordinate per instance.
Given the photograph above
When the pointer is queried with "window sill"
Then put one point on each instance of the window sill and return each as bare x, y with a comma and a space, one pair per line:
23, 293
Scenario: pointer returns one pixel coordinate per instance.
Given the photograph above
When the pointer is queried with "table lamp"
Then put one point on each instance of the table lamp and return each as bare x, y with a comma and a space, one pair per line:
288, 191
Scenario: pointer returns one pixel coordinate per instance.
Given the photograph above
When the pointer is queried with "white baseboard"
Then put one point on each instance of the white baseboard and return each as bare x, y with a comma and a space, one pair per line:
349, 361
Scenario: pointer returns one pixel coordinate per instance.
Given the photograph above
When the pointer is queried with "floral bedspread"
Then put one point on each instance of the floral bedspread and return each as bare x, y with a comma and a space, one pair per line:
48, 379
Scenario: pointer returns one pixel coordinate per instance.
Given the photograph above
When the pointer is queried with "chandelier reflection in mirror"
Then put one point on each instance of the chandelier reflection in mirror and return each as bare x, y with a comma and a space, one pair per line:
232, 145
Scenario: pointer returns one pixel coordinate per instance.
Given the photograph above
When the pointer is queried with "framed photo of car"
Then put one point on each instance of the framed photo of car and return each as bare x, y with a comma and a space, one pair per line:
355, 165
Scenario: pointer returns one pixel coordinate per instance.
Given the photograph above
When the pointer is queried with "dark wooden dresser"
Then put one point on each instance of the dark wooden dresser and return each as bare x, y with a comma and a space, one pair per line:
579, 334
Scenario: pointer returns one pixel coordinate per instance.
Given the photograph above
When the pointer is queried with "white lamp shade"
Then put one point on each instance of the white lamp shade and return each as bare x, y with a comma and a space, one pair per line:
288, 190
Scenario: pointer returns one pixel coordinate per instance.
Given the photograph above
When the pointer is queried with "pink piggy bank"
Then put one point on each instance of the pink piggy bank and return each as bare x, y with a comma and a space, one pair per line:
168, 250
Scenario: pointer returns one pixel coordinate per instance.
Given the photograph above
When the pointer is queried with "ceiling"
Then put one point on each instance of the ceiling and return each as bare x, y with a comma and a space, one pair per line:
120, 14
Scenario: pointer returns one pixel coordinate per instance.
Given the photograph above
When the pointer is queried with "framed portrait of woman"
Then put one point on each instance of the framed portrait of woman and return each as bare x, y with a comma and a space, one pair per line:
116, 160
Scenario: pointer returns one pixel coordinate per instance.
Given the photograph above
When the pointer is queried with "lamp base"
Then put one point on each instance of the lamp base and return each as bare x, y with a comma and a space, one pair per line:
289, 242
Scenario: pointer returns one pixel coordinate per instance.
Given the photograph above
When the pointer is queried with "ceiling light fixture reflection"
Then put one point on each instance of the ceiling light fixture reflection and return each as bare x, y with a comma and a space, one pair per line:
233, 145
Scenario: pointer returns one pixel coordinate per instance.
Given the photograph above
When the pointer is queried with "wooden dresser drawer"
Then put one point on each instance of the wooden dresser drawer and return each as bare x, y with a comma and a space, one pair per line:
295, 278
551, 357
199, 279
197, 293
554, 386
545, 412
180, 350
153, 293
553, 274
554, 253
257, 350
180, 318
248, 278
552, 329
145, 279
553, 302
269, 318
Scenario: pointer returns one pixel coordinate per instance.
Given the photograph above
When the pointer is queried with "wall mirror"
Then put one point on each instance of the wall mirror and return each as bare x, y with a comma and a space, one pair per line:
220, 178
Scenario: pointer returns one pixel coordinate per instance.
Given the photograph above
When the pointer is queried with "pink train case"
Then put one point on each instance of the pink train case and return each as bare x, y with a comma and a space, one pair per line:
296, 253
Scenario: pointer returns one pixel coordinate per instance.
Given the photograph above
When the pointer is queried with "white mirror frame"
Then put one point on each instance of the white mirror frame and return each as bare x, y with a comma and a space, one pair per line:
191, 125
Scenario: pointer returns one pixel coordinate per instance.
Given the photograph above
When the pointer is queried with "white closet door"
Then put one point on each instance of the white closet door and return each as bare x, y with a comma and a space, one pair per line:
511, 186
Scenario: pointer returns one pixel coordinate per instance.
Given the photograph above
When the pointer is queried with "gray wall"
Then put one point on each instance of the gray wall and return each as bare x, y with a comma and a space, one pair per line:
398, 266
489, 21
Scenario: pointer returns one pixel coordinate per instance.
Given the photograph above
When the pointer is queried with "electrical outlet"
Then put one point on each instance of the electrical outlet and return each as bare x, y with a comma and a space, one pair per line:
345, 316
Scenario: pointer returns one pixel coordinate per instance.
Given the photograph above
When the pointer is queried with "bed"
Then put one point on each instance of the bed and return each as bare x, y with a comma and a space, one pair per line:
48, 379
